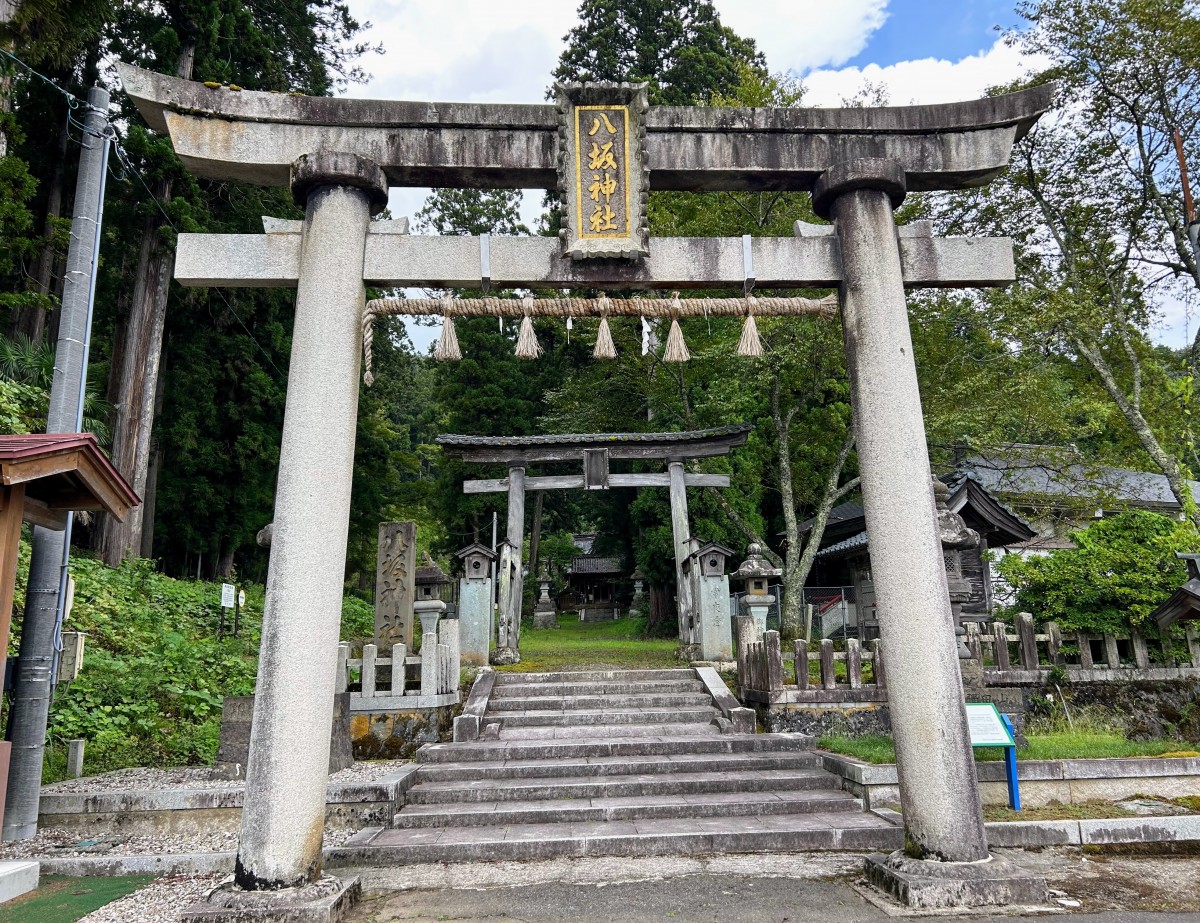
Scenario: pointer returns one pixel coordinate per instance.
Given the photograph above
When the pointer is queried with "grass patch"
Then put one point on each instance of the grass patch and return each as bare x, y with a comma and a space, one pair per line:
60, 899
1063, 745
577, 645
1086, 810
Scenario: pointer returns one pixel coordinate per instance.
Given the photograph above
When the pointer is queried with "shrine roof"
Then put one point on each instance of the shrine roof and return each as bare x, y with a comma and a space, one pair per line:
590, 564
62, 472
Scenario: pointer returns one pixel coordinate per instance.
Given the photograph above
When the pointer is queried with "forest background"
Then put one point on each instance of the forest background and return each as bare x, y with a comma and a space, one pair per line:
187, 385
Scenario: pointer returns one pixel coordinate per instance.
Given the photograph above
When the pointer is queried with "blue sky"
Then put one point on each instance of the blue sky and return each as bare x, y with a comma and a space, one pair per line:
950, 29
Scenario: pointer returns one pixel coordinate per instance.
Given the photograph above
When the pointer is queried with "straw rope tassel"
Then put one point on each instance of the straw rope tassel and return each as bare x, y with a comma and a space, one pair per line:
528, 346
368, 342
605, 347
447, 345
676, 350
750, 345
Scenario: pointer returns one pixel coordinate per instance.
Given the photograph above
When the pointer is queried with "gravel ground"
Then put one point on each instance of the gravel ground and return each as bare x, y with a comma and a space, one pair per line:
158, 902
141, 779
56, 842
144, 779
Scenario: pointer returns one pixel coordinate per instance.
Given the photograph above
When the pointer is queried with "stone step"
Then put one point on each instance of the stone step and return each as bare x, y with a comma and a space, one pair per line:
656, 687
572, 703
596, 676
678, 837
574, 787
601, 746
615, 765
557, 718
605, 731
633, 807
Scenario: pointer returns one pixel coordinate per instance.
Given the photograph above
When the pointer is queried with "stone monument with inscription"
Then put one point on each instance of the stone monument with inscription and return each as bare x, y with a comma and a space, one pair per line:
396, 568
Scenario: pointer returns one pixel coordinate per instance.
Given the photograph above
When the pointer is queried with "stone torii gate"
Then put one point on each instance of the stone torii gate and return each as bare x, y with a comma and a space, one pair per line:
593, 452
339, 157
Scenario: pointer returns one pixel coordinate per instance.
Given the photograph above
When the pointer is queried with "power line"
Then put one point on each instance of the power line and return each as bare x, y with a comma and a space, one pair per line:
74, 103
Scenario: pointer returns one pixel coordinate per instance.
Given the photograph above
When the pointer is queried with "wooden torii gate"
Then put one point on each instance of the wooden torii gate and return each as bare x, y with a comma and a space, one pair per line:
339, 156
593, 452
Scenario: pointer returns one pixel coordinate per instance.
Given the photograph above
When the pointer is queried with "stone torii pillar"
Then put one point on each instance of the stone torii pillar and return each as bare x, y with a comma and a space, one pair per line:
283, 816
943, 816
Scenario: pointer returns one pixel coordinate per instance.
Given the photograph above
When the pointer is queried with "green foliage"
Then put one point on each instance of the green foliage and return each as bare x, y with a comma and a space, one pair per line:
1070, 745
1122, 568
157, 665
679, 46
358, 619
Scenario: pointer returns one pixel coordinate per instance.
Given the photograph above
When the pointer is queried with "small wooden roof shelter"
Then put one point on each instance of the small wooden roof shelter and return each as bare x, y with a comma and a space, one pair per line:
43, 478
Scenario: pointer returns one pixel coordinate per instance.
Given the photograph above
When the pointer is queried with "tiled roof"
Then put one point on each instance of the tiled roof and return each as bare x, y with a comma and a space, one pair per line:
591, 564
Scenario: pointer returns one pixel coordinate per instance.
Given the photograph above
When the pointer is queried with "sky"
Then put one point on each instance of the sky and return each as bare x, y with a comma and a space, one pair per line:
922, 51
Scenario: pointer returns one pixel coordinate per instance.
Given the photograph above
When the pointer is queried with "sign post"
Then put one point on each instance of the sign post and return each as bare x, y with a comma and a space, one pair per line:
989, 728
227, 602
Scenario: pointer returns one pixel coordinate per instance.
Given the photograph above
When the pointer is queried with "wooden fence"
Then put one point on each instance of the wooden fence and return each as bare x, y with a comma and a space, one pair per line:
1021, 659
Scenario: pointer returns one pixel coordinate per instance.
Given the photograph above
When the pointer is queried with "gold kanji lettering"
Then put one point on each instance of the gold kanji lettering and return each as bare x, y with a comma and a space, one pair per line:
600, 157
602, 187
596, 125
603, 219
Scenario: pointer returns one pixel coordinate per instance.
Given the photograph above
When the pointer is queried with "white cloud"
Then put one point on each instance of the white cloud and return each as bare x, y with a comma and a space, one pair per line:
797, 35
930, 80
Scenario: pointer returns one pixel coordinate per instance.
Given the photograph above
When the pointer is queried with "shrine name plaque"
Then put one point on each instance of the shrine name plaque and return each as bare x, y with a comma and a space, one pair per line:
603, 176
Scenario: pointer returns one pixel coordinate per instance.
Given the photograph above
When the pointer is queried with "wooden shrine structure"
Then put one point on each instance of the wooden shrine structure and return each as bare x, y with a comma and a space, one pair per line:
593, 453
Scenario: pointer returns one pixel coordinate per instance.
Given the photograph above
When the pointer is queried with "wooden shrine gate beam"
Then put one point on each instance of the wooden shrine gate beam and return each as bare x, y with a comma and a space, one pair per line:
256, 137
395, 259
593, 452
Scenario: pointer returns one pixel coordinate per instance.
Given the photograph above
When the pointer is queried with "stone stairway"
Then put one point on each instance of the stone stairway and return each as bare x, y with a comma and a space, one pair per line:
622, 763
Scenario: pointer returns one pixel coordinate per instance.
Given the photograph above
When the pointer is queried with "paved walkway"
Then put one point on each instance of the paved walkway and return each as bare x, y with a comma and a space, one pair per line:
755, 889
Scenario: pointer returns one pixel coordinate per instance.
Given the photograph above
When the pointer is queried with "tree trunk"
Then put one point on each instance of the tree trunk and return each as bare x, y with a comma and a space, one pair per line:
30, 321
149, 501
535, 536
1165, 461
661, 614
8, 9
141, 353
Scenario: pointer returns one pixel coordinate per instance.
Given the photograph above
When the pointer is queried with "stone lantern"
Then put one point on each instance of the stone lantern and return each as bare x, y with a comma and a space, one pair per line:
475, 603
429, 608
706, 570
638, 603
956, 538
545, 614
755, 576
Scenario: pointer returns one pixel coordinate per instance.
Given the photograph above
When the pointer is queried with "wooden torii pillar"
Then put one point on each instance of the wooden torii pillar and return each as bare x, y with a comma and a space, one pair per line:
594, 453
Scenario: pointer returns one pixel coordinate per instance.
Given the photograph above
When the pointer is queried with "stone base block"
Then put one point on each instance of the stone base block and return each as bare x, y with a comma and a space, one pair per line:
545, 618
17, 877
929, 885
324, 901
505, 656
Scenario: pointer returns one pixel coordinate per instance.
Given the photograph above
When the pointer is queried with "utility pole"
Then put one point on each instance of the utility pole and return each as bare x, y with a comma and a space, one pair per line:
51, 550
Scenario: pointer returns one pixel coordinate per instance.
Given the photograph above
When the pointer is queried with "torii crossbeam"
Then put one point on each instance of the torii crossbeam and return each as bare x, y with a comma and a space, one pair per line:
340, 155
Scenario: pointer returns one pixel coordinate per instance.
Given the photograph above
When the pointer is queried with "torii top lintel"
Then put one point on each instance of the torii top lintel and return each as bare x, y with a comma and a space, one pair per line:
256, 137
704, 443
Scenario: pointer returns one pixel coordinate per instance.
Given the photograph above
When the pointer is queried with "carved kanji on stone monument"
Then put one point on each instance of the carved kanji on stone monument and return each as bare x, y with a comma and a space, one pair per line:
396, 566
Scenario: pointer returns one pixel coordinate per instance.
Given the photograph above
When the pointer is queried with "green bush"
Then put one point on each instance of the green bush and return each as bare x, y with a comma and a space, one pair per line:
1121, 569
155, 672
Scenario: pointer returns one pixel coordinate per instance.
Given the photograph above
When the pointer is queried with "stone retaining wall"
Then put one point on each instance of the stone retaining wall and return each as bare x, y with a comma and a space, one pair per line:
1042, 781
186, 811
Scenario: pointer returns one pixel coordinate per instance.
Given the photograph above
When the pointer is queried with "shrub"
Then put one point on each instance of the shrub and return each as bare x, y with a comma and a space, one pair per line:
1121, 569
